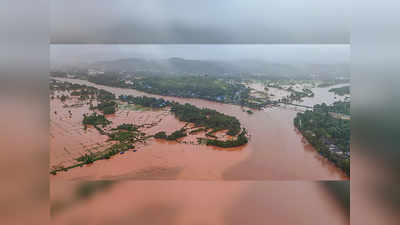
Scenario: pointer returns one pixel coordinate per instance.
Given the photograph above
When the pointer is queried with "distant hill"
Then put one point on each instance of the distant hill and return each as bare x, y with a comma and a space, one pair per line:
168, 66
180, 66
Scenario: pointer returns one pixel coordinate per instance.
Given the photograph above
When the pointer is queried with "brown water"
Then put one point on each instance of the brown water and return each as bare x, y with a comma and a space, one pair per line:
276, 151
199, 203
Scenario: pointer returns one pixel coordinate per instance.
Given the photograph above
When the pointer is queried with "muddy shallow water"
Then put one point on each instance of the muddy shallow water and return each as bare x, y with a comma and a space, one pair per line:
276, 151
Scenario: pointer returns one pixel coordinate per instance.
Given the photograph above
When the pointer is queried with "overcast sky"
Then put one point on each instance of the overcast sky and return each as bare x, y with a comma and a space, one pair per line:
273, 53
200, 21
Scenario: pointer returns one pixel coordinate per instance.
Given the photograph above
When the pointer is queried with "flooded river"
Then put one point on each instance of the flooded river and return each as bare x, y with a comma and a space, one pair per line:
163, 183
322, 95
276, 151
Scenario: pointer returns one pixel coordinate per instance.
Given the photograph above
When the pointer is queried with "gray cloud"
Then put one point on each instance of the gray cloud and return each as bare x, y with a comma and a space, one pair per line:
206, 21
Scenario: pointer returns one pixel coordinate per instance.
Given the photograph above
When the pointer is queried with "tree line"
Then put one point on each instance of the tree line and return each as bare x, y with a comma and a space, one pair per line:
328, 135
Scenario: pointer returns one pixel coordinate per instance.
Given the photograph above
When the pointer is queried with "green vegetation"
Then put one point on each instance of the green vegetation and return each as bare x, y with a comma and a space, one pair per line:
197, 130
106, 104
205, 118
109, 110
122, 136
109, 79
337, 107
211, 134
295, 95
177, 134
103, 95
87, 158
95, 119
127, 127
107, 107
114, 149
173, 137
145, 101
330, 136
345, 90
83, 92
208, 118
126, 135
161, 135
80, 90
127, 106
240, 140
298, 95
204, 87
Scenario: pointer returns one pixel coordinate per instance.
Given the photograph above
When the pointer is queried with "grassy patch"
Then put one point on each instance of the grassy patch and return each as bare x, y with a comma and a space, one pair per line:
133, 107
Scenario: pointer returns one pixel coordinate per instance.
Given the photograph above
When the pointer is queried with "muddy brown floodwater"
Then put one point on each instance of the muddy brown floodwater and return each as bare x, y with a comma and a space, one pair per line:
199, 203
155, 185
276, 151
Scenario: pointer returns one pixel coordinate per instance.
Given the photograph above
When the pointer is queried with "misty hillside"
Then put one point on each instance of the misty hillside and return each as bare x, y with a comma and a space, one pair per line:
180, 66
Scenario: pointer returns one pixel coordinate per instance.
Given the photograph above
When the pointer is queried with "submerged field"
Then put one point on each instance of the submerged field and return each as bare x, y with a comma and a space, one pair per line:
75, 144
154, 159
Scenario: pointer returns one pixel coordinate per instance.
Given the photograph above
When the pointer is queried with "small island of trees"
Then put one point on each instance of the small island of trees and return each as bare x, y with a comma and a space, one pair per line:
107, 107
240, 140
205, 118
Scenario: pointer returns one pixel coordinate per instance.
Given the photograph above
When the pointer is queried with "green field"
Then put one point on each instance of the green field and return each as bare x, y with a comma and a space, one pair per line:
133, 107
